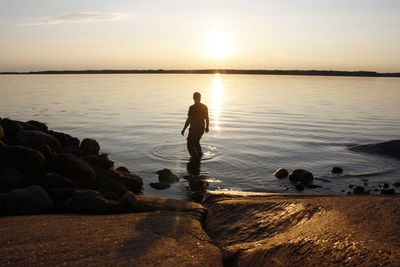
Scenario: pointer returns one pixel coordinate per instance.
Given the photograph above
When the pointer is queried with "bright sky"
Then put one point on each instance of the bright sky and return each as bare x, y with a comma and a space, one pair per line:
189, 34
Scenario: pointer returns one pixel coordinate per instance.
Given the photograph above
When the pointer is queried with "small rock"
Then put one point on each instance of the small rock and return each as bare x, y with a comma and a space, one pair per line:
281, 173
160, 185
303, 176
390, 191
90, 146
337, 170
166, 175
358, 190
384, 185
396, 184
299, 186
351, 185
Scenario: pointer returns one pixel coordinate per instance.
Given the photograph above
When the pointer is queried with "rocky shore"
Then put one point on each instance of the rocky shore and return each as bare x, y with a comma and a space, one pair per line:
81, 210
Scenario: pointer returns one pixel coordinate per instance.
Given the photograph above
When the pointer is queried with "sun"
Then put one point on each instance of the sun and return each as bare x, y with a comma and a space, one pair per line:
218, 45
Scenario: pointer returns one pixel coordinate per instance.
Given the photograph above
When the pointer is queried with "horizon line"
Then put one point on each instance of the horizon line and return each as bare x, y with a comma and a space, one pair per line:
311, 72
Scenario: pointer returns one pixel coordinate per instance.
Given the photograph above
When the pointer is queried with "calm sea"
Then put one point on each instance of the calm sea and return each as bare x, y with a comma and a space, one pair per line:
257, 124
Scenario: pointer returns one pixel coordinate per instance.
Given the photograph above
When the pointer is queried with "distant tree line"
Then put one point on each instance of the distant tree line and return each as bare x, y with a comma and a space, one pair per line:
222, 71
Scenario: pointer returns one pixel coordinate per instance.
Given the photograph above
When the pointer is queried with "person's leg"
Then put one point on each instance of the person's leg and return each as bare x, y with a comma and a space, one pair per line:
198, 148
191, 148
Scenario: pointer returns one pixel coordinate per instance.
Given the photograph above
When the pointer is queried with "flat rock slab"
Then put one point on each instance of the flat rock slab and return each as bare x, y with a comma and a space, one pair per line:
305, 230
159, 238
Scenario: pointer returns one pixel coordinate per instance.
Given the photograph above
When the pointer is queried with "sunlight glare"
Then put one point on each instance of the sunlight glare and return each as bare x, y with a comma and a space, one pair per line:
218, 45
217, 98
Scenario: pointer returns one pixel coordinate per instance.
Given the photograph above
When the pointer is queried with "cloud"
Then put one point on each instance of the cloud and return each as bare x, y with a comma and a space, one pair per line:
73, 17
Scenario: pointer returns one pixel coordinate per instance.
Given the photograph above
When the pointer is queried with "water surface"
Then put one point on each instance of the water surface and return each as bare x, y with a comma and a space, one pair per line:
257, 123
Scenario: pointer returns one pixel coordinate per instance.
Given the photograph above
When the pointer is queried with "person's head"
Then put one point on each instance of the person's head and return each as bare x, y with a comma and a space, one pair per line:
197, 97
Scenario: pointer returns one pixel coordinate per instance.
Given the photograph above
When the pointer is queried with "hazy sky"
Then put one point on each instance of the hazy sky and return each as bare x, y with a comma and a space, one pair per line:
186, 34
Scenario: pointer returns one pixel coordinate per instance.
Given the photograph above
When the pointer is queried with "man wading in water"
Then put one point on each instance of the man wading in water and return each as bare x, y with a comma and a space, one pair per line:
198, 120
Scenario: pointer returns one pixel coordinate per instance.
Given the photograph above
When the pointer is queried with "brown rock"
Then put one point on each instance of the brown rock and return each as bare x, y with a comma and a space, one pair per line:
305, 230
90, 146
281, 173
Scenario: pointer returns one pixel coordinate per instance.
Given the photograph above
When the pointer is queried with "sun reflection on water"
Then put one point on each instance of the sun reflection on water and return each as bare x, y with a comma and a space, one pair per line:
217, 99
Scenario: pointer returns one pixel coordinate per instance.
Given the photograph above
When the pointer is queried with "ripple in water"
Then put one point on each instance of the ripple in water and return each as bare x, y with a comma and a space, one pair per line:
178, 151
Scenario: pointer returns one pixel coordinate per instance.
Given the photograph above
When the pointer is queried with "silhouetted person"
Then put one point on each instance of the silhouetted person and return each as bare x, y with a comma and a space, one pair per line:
198, 121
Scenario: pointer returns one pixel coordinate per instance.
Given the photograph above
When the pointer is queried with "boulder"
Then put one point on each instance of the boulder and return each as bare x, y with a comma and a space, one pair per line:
55, 180
35, 139
30, 200
133, 182
39, 125
90, 201
10, 178
90, 146
122, 169
129, 202
281, 173
1, 131
47, 152
10, 128
59, 195
99, 160
166, 175
388, 191
74, 150
337, 170
28, 161
65, 139
75, 168
303, 176
114, 187
389, 148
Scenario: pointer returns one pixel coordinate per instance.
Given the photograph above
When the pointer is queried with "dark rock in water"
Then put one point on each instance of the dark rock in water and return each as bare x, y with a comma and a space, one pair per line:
90, 201
387, 191
198, 185
122, 169
160, 185
28, 161
396, 184
299, 186
30, 200
90, 146
281, 173
35, 139
359, 190
65, 139
337, 170
55, 180
351, 185
99, 160
74, 150
114, 187
389, 148
75, 168
39, 125
10, 178
303, 176
166, 175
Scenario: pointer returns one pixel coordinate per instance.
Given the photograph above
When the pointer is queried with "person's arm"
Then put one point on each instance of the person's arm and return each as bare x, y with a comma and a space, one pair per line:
186, 125
207, 122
